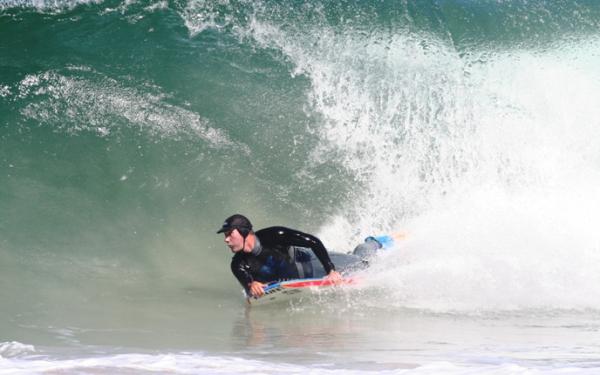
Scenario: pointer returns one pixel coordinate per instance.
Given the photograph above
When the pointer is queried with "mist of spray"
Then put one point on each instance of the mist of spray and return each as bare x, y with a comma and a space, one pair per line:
485, 158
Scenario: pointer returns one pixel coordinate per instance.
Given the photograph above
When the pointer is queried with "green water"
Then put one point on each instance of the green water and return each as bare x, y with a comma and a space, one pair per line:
129, 130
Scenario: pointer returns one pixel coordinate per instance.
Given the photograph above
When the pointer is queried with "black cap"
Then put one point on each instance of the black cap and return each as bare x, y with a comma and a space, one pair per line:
236, 221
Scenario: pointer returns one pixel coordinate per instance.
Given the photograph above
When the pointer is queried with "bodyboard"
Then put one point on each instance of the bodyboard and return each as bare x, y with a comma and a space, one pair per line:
297, 289
288, 290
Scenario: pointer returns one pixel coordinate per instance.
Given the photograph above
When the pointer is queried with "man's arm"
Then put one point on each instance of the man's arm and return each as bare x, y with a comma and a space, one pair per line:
241, 271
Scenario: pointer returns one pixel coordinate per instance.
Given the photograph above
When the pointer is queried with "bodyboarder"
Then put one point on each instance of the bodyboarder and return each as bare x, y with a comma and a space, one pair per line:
273, 253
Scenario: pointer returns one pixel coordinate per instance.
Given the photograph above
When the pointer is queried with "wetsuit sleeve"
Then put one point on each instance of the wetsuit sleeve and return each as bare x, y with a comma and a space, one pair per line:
241, 271
291, 237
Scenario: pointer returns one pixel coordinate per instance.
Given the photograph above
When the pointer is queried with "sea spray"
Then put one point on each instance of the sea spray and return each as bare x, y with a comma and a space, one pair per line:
477, 151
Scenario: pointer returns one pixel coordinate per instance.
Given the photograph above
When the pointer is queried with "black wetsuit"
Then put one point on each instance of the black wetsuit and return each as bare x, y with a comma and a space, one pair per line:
279, 253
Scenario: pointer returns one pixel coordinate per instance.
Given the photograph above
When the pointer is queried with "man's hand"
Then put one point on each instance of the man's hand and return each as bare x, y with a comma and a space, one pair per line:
257, 289
334, 277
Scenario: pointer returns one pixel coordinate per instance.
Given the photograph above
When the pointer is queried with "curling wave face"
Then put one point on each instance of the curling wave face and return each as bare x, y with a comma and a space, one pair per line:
134, 127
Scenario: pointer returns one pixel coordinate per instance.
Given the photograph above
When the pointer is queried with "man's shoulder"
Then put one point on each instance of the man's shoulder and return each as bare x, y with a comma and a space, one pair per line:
274, 230
275, 234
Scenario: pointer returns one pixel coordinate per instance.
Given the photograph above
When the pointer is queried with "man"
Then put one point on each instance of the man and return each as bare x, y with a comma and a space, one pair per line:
273, 253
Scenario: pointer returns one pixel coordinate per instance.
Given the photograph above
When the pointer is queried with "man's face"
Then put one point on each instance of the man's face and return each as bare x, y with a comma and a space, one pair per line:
234, 240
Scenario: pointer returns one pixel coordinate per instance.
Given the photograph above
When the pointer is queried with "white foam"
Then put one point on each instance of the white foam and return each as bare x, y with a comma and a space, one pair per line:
200, 15
46, 5
4, 91
12, 349
101, 104
195, 363
517, 231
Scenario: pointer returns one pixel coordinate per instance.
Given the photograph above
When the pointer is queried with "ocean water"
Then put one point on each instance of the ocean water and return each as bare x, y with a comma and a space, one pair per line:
130, 129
